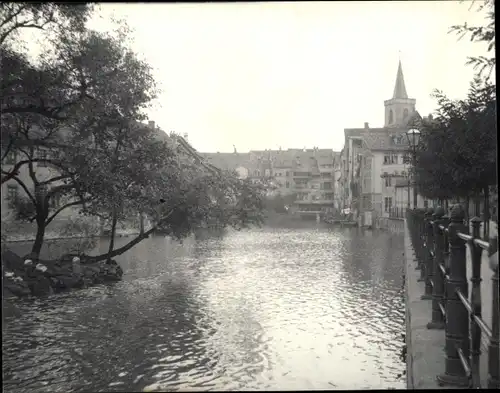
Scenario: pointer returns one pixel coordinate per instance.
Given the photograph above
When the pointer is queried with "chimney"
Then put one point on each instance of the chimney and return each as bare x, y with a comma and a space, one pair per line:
151, 124
366, 126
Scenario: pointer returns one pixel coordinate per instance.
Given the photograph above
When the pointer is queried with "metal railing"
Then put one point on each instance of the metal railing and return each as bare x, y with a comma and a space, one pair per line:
440, 243
397, 212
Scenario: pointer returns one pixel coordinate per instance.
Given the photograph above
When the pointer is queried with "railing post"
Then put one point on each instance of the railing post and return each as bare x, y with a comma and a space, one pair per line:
437, 321
457, 318
428, 257
494, 344
423, 245
415, 234
475, 330
418, 237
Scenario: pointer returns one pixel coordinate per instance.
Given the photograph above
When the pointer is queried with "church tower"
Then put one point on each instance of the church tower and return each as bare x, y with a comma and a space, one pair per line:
399, 108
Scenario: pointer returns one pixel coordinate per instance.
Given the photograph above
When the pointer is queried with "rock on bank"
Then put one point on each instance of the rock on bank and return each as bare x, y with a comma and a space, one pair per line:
29, 277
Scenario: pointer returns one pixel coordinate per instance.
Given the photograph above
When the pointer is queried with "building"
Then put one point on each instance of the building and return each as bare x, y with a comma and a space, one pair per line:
374, 161
307, 175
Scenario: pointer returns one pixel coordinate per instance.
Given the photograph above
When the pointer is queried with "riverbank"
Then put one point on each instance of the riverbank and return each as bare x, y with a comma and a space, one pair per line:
25, 277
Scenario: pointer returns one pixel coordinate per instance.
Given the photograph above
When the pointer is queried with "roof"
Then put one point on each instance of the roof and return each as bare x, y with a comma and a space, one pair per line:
414, 120
384, 139
400, 88
227, 161
257, 159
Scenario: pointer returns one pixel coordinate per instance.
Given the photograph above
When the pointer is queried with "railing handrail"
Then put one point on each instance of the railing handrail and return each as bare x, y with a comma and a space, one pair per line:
432, 235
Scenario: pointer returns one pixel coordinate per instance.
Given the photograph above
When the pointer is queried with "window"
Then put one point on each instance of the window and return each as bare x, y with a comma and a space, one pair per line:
55, 201
406, 158
42, 155
391, 116
10, 159
327, 185
388, 181
390, 159
287, 184
11, 192
405, 113
288, 173
387, 204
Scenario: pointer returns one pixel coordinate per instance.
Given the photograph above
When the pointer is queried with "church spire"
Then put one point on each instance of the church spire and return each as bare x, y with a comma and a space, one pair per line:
400, 88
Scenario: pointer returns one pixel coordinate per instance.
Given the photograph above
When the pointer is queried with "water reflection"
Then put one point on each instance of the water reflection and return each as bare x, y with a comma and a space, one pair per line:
302, 308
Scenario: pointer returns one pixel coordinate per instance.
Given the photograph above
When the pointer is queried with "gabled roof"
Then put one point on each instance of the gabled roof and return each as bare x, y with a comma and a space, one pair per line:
414, 120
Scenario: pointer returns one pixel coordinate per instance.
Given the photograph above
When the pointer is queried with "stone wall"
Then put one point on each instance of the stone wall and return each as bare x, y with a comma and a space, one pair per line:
65, 228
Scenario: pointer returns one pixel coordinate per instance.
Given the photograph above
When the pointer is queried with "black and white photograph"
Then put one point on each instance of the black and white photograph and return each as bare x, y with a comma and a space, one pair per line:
249, 196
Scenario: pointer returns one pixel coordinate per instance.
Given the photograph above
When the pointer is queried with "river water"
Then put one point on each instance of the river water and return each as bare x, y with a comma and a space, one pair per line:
263, 309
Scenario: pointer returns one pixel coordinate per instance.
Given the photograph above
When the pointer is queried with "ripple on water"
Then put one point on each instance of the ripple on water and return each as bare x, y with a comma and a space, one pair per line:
257, 310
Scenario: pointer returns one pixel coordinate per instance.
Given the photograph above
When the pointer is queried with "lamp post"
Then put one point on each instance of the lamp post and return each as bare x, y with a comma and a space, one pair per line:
413, 136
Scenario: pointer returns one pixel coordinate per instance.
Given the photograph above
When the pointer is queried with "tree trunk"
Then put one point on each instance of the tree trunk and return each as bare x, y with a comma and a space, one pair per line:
123, 249
467, 218
141, 222
486, 230
113, 230
130, 244
40, 235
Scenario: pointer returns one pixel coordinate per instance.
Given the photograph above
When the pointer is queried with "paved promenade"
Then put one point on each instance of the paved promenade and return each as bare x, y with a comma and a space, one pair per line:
425, 348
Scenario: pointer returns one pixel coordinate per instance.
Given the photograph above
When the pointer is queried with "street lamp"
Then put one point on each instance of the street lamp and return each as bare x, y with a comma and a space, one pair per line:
413, 136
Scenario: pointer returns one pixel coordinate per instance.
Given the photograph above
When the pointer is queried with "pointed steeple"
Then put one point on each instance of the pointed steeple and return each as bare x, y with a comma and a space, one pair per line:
400, 88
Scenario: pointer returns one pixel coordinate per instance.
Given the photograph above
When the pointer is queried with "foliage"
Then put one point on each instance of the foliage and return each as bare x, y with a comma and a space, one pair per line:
485, 65
279, 201
62, 17
78, 110
85, 229
457, 153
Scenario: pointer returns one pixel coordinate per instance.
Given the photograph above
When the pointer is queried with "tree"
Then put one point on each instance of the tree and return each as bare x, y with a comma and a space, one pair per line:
42, 16
457, 156
78, 109
73, 96
485, 65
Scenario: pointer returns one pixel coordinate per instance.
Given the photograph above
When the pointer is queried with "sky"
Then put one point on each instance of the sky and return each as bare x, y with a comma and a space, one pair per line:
266, 75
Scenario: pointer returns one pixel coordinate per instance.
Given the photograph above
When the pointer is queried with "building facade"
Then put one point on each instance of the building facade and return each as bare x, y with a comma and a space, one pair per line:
375, 162
305, 175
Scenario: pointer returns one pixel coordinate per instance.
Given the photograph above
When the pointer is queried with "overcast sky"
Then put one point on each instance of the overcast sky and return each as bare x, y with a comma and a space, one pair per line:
265, 75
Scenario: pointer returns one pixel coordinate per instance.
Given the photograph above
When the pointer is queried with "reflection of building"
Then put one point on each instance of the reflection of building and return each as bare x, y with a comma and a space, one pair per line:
308, 174
374, 160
